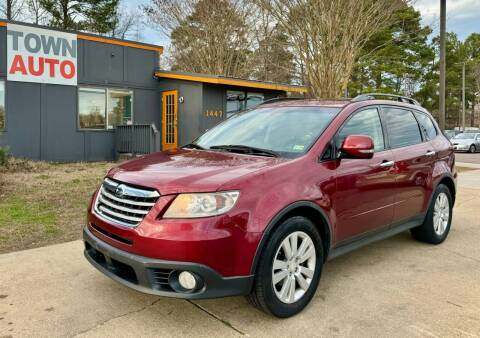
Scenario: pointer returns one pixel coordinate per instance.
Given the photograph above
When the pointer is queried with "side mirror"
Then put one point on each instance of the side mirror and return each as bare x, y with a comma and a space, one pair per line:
358, 146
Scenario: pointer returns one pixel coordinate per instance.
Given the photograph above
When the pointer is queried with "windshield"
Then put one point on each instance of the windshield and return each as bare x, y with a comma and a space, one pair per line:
464, 136
287, 131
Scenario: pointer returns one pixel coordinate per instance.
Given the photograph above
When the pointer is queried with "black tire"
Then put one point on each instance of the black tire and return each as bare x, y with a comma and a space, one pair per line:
426, 232
472, 149
263, 295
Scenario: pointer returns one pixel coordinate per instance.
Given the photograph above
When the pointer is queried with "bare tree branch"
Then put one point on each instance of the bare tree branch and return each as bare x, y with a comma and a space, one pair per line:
327, 36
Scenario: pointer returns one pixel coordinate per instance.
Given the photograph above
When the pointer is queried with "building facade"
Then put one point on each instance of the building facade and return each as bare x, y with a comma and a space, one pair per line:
63, 94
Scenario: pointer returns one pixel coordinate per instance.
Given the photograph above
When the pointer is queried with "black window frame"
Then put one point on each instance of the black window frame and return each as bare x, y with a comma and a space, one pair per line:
386, 131
415, 112
332, 144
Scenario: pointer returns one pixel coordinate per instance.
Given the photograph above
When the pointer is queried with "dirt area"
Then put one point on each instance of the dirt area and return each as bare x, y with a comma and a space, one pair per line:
45, 203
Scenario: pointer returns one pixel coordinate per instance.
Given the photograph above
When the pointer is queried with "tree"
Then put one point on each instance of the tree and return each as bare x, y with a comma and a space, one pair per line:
98, 16
328, 36
457, 53
36, 12
207, 36
11, 9
128, 24
472, 51
271, 60
394, 59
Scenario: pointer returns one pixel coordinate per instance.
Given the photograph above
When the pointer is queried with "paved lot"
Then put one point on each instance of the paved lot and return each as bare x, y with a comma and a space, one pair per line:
468, 158
397, 287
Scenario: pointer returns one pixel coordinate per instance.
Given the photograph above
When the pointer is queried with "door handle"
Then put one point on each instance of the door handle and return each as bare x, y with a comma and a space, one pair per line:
386, 164
430, 153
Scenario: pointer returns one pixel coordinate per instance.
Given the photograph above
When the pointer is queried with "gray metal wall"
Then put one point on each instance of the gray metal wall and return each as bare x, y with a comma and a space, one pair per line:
42, 118
198, 98
190, 111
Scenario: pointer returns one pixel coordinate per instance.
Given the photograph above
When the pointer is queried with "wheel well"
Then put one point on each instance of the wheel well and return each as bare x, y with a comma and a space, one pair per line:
450, 185
317, 218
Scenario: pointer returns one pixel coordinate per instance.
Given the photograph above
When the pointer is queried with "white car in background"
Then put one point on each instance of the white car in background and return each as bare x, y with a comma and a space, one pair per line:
466, 141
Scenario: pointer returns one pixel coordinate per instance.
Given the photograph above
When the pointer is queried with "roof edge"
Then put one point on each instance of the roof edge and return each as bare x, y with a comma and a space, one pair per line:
91, 37
231, 81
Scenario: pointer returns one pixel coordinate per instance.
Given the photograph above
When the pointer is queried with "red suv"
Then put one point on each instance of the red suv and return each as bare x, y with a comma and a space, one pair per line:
257, 204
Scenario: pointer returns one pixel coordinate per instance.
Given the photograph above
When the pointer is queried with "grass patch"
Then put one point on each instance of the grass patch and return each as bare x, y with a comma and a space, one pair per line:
15, 210
45, 203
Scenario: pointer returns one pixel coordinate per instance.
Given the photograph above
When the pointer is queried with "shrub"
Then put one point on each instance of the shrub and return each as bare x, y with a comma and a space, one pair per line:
4, 156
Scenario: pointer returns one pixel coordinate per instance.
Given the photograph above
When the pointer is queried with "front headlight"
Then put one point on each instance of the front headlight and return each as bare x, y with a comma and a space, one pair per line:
202, 204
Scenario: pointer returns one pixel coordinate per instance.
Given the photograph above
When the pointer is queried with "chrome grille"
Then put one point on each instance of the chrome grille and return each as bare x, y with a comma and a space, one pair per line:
124, 204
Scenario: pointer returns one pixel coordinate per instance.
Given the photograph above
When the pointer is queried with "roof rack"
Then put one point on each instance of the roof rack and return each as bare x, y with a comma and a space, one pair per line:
280, 98
372, 96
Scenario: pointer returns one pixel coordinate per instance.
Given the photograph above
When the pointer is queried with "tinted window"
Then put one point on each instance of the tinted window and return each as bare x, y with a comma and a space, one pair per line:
426, 125
365, 122
402, 126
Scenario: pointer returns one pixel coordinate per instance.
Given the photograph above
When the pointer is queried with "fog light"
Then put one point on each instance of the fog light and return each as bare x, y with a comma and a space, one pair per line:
187, 280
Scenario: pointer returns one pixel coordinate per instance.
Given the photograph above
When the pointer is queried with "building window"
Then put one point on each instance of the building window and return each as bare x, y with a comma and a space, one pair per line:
119, 104
104, 108
235, 101
254, 99
91, 108
239, 100
2, 105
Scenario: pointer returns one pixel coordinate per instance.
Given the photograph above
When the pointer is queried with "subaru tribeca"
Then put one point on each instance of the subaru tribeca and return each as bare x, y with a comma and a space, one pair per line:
257, 204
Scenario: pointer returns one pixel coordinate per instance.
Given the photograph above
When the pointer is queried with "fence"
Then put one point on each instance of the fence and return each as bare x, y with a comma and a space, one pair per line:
137, 139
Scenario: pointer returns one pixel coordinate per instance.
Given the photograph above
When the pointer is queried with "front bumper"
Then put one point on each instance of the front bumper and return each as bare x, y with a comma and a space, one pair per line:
461, 147
157, 277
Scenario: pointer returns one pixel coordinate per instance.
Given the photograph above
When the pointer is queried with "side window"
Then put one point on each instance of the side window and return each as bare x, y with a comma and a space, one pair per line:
402, 127
426, 125
365, 122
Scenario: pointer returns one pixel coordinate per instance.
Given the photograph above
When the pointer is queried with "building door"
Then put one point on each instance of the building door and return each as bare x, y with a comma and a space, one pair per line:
169, 119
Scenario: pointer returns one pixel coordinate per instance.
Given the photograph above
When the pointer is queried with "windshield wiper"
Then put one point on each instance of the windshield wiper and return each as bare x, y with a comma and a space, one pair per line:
238, 148
193, 146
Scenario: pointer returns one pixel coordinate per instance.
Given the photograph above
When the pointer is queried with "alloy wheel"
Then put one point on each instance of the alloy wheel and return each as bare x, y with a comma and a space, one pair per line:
293, 267
441, 214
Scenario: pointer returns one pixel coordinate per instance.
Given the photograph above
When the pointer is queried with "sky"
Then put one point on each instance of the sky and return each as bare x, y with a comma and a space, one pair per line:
463, 18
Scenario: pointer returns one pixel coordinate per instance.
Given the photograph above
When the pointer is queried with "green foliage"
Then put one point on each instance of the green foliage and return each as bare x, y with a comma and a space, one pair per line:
4, 156
394, 60
402, 60
98, 16
457, 52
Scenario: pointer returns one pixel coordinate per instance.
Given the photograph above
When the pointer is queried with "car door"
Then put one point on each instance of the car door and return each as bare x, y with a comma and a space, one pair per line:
414, 157
363, 200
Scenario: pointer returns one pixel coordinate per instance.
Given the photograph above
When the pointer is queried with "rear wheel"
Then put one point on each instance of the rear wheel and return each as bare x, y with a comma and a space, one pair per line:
472, 149
438, 220
289, 268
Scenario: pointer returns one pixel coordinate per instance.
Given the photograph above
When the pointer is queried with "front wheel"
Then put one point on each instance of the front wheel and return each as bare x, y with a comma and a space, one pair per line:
438, 220
472, 149
289, 269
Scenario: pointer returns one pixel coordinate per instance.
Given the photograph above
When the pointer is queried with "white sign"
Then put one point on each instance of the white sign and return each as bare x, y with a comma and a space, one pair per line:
41, 55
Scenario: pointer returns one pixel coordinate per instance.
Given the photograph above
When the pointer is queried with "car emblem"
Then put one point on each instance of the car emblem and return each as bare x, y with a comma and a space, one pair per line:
120, 190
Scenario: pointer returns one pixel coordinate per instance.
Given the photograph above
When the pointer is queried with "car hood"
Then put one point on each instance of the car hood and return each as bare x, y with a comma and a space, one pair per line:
185, 170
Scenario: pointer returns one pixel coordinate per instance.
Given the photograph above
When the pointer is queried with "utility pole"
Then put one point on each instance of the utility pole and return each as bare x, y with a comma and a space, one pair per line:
443, 5
463, 96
